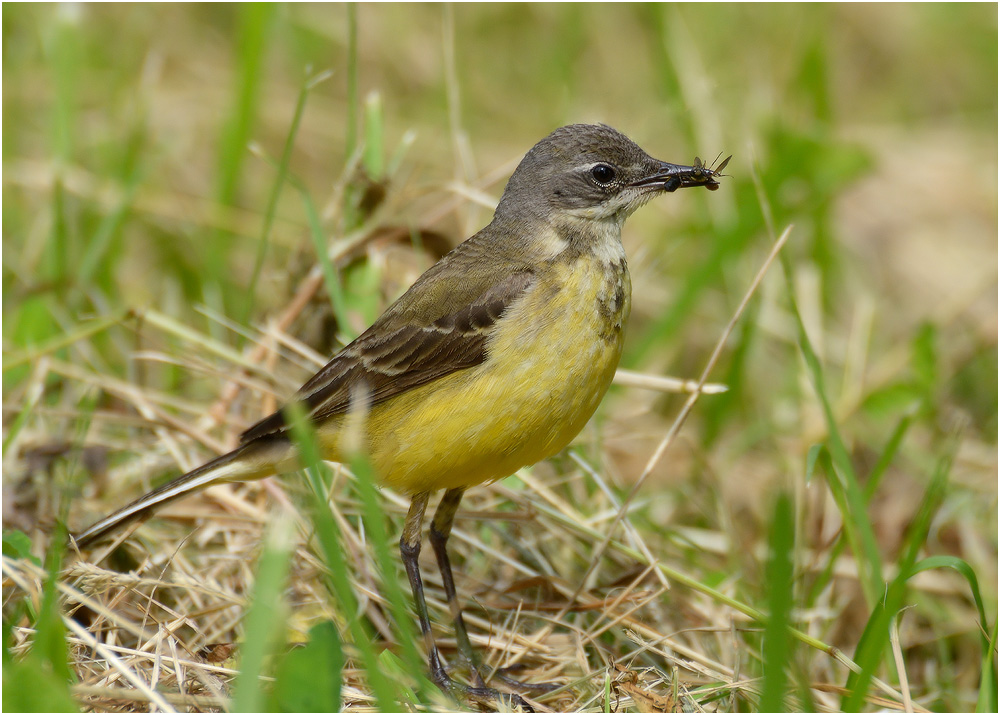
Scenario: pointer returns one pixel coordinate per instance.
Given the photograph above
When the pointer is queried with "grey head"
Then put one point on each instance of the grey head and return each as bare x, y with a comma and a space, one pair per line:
591, 171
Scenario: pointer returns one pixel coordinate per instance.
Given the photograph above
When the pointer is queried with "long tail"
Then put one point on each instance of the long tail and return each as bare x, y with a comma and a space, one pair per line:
254, 460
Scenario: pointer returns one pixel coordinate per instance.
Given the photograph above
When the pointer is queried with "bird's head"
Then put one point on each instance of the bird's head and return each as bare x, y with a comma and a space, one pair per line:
591, 171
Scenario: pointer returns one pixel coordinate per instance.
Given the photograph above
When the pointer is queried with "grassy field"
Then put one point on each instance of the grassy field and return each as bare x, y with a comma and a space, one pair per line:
203, 202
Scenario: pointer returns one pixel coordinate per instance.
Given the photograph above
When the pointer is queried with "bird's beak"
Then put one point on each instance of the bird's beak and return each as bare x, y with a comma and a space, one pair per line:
670, 177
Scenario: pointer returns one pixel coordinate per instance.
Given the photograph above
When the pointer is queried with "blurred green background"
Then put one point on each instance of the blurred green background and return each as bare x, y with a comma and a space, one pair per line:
128, 180
143, 145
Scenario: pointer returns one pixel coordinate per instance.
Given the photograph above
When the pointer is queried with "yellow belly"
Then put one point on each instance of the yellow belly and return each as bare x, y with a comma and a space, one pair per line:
550, 360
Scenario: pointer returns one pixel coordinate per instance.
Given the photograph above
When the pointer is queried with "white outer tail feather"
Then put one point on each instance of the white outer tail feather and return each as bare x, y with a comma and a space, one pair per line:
238, 465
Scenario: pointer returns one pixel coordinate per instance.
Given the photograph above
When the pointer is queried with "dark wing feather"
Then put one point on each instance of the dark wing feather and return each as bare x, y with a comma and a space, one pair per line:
411, 345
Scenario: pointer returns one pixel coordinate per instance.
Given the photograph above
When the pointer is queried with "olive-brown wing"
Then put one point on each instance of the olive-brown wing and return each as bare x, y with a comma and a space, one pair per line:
408, 347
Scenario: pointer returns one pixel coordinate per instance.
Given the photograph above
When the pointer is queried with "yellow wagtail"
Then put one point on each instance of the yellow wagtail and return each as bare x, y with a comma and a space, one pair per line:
493, 360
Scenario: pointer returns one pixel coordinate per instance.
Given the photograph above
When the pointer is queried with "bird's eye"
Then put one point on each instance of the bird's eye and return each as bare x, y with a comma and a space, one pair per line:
603, 174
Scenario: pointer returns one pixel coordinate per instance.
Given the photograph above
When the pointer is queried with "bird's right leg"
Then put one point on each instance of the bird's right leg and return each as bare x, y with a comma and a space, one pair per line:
409, 548
441, 524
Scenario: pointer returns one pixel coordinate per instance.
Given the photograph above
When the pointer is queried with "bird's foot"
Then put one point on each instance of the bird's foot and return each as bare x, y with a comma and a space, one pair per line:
503, 675
480, 692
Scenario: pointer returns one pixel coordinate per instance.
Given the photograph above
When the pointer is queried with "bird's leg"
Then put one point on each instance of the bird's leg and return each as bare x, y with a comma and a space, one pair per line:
409, 548
441, 525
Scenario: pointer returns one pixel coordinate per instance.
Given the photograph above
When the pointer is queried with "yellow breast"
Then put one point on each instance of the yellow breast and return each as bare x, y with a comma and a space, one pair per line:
549, 362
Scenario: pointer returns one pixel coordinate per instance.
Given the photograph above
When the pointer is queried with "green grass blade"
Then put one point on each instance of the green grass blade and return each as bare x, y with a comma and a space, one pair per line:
331, 279
264, 623
255, 21
988, 680
887, 456
50, 644
272, 203
28, 407
40, 682
255, 25
987, 700
30, 686
857, 530
374, 154
330, 540
871, 485
875, 638
96, 254
386, 558
854, 507
308, 679
85, 331
963, 567
351, 134
777, 648
64, 49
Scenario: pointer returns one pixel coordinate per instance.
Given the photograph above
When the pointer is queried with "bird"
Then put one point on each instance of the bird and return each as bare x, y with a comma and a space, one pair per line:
493, 360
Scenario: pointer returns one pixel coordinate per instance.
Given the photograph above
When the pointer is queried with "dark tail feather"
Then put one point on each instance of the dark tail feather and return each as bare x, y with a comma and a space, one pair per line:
253, 460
